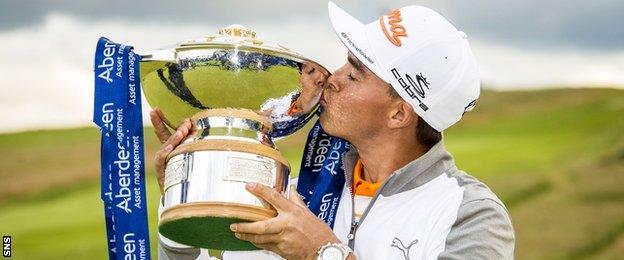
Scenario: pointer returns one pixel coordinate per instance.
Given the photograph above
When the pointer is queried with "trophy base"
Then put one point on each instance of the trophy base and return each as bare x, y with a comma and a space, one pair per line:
207, 224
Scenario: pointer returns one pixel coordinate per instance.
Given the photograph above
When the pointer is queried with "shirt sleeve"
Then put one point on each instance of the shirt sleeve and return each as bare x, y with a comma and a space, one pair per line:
483, 230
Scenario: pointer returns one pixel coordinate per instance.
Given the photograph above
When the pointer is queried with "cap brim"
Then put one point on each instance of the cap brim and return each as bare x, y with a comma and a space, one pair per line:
352, 33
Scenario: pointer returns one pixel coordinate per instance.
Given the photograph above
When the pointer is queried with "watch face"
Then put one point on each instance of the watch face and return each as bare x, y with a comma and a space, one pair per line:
333, 253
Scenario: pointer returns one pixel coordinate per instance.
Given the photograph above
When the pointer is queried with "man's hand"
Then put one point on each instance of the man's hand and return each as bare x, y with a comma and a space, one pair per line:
160, 129
168, 141
294, 234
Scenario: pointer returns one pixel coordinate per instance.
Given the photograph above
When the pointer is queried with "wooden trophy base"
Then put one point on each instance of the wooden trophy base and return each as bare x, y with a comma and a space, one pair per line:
207, 224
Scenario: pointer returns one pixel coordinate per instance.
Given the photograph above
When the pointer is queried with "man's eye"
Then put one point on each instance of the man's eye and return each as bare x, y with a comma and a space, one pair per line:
351, 77
311, 70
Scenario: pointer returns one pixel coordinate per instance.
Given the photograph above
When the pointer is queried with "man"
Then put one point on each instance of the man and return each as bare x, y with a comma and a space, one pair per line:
409, 76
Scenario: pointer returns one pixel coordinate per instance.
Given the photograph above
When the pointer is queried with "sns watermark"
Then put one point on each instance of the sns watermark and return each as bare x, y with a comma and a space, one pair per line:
6, 246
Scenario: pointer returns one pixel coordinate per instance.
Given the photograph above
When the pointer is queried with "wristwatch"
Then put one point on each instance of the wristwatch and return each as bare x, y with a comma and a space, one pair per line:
333, 251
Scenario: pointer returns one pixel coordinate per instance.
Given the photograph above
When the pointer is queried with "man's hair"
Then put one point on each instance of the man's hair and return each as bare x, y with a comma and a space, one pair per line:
425, 134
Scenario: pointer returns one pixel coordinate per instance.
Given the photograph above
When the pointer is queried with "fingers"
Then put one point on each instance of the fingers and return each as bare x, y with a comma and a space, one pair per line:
258, 239
269, 226
160, 161
183, 130
160, 113
193, 127
266, 205
294, 196
160, 129
270, 195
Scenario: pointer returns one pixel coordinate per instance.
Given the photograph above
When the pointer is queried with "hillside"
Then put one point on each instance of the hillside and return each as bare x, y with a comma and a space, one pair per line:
555, 157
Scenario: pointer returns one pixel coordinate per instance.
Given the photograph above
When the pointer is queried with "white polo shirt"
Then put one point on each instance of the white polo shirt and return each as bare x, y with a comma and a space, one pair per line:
428, 209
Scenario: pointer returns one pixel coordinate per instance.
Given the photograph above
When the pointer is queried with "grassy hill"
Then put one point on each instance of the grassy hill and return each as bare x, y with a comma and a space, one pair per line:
555, 157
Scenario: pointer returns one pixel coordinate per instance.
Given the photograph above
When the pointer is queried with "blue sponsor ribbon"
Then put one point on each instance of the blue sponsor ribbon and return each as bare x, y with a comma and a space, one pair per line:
322, 173
285, 128
117, 112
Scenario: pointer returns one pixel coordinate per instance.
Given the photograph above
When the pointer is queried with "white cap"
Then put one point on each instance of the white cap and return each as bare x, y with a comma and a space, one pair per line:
421, 54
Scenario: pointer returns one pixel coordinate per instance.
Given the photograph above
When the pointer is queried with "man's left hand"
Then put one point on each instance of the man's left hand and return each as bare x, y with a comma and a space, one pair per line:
294, 234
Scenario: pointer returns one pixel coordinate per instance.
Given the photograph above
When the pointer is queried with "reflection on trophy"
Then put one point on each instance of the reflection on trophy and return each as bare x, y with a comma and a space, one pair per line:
241, 93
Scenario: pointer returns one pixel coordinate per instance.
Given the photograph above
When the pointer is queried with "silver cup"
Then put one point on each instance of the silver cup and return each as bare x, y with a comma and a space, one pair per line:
241, 93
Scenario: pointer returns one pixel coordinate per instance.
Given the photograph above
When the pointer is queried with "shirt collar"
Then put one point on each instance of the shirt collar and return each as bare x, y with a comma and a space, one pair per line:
423, 169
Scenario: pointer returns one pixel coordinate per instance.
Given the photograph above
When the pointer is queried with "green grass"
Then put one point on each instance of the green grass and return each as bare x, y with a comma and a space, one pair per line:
555, 157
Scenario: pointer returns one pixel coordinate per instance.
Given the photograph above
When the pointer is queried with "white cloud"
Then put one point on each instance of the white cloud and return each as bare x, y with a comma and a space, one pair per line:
504, 67
47, 73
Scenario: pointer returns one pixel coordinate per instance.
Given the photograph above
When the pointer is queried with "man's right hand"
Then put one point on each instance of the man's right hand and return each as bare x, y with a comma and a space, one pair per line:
168, 140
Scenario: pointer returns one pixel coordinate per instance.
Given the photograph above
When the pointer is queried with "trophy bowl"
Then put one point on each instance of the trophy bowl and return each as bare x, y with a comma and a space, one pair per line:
241, 94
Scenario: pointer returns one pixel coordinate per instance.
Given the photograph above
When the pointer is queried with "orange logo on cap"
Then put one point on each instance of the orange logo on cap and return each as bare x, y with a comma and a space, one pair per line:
397, 30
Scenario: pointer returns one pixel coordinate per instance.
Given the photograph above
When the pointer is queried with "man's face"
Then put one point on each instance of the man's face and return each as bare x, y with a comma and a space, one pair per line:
313, 81
355, 102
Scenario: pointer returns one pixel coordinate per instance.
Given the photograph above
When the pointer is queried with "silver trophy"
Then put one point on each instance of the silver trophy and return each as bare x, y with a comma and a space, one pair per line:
241, 93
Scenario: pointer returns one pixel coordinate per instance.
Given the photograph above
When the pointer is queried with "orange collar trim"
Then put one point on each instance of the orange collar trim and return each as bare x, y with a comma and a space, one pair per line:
360, 186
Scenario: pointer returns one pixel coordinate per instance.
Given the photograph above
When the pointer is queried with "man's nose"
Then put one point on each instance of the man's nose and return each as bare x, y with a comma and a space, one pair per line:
320, 81
332, 83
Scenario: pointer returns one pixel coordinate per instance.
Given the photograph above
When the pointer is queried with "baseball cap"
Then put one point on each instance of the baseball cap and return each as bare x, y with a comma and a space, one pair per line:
421, 54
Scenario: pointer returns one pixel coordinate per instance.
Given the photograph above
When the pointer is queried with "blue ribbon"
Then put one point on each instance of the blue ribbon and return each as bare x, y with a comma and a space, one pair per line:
322, 176
117, 112
285, 128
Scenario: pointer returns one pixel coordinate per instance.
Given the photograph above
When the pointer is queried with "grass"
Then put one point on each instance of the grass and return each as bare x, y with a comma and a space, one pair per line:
555, 157
527, 193
602, 242
40, 159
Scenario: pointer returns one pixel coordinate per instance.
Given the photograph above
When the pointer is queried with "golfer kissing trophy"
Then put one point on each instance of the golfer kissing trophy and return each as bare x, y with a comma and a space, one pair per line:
241, 93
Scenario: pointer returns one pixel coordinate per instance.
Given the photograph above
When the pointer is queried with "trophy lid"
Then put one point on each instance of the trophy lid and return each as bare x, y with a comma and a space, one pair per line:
233, 36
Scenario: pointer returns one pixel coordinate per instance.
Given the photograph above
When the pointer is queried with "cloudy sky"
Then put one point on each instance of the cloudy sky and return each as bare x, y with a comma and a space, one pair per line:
47, 47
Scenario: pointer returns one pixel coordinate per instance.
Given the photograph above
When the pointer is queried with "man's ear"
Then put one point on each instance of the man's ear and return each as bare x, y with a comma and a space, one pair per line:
401, 115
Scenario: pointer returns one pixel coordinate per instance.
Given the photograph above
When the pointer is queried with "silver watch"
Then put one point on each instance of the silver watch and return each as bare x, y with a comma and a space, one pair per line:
334, 251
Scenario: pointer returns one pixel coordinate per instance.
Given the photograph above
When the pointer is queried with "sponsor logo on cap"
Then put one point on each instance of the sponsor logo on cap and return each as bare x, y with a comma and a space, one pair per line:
470, 106
395, 30
346, 36
415, 88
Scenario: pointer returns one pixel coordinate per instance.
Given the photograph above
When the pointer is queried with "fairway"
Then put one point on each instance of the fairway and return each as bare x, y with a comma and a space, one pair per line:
555, 157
